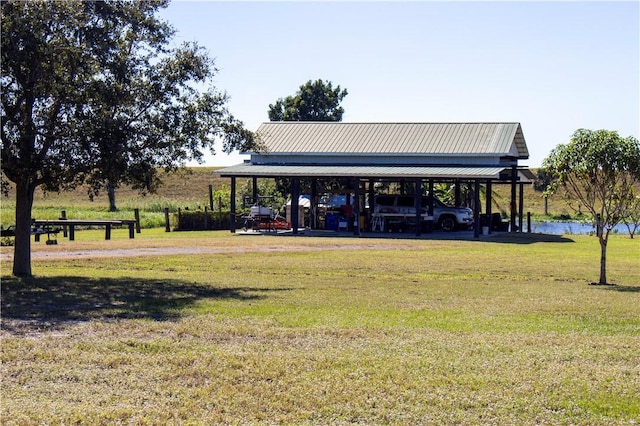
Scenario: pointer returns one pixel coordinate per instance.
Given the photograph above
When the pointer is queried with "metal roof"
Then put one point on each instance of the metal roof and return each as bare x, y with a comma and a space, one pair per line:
248, 170
416, 139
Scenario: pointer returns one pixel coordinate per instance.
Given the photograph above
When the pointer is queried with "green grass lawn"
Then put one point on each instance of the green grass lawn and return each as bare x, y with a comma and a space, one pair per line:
295, 330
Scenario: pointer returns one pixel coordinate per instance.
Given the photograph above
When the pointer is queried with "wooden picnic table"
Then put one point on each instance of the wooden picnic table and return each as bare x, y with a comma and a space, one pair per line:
72, 223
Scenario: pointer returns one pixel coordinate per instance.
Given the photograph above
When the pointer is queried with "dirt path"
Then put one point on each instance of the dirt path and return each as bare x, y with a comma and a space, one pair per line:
52, 254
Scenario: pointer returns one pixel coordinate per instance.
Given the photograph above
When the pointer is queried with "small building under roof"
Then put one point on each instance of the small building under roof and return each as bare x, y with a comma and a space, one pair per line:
366, 153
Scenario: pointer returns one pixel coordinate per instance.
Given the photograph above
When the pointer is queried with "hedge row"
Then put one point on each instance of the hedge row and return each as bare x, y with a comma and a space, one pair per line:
199, 220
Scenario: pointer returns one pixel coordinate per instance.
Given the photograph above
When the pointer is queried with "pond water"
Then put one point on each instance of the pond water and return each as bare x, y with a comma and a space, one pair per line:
575, 228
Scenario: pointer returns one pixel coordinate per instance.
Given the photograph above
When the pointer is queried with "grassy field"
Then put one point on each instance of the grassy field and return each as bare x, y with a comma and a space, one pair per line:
214, 328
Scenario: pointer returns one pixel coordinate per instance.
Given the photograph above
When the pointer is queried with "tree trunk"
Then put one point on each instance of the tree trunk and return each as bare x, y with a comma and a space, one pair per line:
22, 248
603, 258
111, 191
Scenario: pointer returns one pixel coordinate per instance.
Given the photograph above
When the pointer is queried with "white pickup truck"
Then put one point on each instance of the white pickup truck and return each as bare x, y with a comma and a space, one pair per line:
446, 217
450, 218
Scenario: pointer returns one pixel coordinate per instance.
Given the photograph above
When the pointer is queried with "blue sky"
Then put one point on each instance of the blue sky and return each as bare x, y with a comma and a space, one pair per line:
552, 66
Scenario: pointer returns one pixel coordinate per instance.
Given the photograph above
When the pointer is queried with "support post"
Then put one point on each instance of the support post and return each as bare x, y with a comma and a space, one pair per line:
136, 216
431, 197
295, 198
167, 225
512, 204
417, 203
521, 206
211, 197
356, 210
488, 212
476, 209
372, 202
254, 189
232, 213
313, 209
63, 216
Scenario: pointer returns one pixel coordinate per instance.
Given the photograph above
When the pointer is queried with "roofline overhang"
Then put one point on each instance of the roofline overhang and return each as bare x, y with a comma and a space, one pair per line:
385, 154
494, 173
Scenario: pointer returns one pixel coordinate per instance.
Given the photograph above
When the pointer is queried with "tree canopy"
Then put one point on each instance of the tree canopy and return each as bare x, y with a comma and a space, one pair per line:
93, 93
160, 119
599, 170
315, 101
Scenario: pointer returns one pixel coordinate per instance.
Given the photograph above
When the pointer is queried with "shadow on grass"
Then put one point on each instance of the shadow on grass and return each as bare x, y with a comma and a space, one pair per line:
439, 235
527, 238
49, 303
620, 288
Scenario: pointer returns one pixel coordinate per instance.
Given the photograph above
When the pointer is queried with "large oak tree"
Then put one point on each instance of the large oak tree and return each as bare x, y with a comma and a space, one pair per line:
93, 93
598, 171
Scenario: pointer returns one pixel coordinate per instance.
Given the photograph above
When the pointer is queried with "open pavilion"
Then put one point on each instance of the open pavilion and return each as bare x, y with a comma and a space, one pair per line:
356, 158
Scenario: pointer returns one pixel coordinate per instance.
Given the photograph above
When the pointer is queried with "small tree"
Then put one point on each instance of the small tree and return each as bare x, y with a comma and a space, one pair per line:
315, 101
543, 180
632, 217
598, 170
